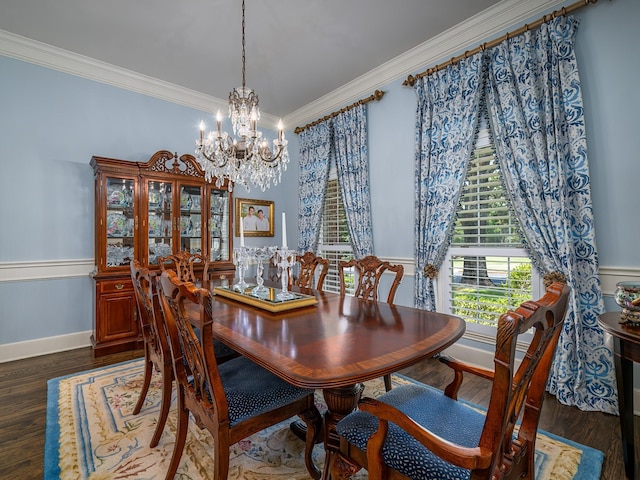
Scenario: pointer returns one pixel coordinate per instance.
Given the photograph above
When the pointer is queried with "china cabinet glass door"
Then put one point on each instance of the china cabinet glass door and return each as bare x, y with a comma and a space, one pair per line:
159, 221
190, 221
219, 225
119, 221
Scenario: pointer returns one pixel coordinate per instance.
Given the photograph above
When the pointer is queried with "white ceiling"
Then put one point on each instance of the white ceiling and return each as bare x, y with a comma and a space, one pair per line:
297, 51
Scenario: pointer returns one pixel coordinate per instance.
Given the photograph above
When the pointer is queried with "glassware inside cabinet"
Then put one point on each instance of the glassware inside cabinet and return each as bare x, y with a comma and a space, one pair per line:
219, 225
159, 221
190, 221
119, 221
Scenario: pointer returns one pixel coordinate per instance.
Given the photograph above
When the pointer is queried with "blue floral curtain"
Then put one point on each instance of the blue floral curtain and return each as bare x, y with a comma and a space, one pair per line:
352, 162
537, 116
446, 120
315, 152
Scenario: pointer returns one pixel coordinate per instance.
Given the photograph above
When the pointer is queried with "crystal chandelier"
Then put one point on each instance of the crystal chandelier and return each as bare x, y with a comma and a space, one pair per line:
244, 158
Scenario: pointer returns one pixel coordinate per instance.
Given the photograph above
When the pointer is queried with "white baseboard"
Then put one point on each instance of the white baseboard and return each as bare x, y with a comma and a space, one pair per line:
44, 346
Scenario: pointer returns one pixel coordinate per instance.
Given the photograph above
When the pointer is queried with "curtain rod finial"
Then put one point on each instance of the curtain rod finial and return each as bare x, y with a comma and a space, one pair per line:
410, 81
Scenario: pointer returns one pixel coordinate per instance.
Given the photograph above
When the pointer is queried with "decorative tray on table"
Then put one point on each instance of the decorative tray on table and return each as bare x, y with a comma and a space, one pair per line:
267, 301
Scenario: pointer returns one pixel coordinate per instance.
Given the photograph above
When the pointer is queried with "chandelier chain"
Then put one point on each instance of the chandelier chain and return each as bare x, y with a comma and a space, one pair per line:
243, 49
244, 157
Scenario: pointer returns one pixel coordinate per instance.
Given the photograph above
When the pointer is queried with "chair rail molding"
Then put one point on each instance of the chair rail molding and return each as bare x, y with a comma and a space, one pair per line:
51, 269
45, 270
609, 276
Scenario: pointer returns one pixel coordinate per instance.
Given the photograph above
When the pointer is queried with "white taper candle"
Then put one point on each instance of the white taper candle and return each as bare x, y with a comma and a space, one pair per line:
241, 232
284, 231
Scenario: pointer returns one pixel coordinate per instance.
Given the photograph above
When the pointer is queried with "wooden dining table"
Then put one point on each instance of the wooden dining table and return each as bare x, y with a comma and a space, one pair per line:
334, 345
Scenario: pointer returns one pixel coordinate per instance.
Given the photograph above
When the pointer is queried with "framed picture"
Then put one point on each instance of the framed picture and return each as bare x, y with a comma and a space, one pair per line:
256, 217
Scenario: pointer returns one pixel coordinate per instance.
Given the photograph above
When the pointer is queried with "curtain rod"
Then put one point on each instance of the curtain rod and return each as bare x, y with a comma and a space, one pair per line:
377, 95
411, 80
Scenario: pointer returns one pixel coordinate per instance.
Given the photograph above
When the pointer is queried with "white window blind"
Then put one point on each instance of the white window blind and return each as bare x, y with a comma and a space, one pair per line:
488, 269
334, 244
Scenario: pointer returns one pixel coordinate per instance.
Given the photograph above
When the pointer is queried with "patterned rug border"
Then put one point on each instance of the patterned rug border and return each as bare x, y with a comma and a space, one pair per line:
52, 435
589, 466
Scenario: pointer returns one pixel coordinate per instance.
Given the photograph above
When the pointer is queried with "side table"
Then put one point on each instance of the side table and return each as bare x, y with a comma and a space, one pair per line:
626, 346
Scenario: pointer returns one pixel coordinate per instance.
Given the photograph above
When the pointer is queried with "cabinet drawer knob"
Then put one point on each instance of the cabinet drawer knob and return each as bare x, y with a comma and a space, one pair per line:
119, 286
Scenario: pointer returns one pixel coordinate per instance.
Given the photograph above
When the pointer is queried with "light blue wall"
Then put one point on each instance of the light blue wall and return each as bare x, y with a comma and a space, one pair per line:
51, 124
608, 49
391, 153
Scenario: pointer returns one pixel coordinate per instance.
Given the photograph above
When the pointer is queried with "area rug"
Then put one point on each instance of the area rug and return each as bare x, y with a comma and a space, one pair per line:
91, 434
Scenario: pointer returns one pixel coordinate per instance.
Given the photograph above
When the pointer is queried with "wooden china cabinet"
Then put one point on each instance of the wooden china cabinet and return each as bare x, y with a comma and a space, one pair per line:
147, 210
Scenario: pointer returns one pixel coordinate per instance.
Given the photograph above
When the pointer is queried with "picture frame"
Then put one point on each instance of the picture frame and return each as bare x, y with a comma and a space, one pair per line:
254, 225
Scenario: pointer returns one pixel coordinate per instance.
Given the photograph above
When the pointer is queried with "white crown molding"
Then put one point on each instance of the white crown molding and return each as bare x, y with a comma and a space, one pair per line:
464, 36
38, 53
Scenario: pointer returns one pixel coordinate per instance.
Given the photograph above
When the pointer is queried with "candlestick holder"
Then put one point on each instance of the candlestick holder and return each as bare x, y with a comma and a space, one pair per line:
261, 254
241, 257
285, 260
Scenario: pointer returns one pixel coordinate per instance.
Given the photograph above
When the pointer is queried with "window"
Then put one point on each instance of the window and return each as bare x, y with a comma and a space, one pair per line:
488, 269
334, 243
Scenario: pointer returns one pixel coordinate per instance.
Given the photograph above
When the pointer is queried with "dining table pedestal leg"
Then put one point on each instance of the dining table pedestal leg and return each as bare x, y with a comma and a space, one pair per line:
341, 401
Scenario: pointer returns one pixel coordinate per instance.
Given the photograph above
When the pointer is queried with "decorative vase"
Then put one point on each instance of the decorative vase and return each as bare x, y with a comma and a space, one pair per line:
628, 297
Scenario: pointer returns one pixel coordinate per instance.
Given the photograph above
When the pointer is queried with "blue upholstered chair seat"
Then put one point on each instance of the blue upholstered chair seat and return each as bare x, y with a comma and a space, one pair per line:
430, 408
251, 390
222, 351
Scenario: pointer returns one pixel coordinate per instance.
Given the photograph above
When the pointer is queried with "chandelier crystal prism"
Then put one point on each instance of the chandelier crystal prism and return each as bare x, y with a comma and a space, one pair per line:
244, 158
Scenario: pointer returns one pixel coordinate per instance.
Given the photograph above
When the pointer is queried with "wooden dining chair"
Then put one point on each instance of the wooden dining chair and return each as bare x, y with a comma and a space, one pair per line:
157, 354
369, 271
187, 265
231, 400
416, 431
308, 263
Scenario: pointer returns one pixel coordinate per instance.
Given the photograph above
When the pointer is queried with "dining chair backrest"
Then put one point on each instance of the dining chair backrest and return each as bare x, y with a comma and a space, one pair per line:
369, 271
189, 267
190, 339
156, 346
406, 438
148, 306
308, 263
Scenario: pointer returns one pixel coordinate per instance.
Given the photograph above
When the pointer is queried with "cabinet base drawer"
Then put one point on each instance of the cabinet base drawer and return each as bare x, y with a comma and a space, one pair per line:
115, 286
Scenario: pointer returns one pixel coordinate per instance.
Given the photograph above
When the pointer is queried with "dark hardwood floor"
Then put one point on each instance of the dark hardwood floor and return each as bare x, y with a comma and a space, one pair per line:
23, 404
